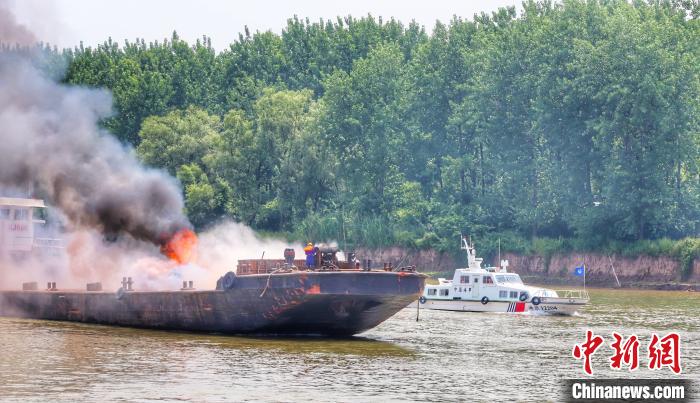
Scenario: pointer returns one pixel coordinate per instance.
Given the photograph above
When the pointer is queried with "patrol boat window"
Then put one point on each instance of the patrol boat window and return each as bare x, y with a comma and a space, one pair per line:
445, 292
488, 280
514, 294
21, 214
503, 294
508, 278
5, 213
431, 291
464, 279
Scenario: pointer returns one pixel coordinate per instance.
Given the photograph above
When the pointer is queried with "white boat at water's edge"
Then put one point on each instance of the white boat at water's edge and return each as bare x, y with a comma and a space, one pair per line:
494, 289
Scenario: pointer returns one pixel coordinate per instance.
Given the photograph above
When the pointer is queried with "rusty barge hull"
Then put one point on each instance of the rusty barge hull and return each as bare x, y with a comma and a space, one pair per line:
311, 303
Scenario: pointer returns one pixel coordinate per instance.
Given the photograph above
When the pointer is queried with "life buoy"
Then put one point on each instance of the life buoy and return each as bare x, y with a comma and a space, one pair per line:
485, 300
523, 297
536, 301
422, 299
228, 281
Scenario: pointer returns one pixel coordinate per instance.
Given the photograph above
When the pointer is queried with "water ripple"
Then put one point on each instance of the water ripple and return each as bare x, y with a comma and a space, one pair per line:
445, 356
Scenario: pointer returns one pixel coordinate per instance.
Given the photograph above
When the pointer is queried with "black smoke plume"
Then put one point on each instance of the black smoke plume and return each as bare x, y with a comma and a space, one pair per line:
50, 140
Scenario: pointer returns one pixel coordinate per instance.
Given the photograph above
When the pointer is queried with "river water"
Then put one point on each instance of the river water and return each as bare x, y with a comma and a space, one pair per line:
445, 356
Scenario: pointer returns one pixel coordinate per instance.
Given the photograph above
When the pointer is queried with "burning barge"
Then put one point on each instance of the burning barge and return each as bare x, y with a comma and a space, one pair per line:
265, 296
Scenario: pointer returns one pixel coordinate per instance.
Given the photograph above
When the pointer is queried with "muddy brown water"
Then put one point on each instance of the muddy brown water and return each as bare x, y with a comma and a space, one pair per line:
445, 356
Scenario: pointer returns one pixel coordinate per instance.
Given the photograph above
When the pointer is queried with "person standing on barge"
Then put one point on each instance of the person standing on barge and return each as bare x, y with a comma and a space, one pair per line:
310, 252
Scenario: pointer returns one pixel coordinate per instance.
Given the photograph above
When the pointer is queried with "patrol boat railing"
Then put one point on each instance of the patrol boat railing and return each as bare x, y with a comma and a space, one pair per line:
573, 294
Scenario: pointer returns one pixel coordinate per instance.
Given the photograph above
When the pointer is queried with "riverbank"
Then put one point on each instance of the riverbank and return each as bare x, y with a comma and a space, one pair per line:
608, 271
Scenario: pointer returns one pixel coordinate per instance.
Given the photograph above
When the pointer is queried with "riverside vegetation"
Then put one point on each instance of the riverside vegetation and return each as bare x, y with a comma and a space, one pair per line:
563, 126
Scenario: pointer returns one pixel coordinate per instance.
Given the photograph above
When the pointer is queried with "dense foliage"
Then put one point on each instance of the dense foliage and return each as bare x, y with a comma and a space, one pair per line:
576, 120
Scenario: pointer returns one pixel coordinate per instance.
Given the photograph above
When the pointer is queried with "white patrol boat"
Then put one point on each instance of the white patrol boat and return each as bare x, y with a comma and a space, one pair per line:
494, 289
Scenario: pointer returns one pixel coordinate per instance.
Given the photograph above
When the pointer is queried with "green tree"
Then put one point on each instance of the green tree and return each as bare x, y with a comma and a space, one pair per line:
205, 199
178, 138
364, 123
566, 119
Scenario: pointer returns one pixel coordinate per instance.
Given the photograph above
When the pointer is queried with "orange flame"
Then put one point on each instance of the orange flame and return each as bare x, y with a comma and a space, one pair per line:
181, 247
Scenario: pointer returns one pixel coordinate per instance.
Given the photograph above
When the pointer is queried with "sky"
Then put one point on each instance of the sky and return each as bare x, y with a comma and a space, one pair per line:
67, 22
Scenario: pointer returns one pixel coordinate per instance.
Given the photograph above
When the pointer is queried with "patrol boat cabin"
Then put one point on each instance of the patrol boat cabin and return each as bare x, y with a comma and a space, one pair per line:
22, 231
494, 289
